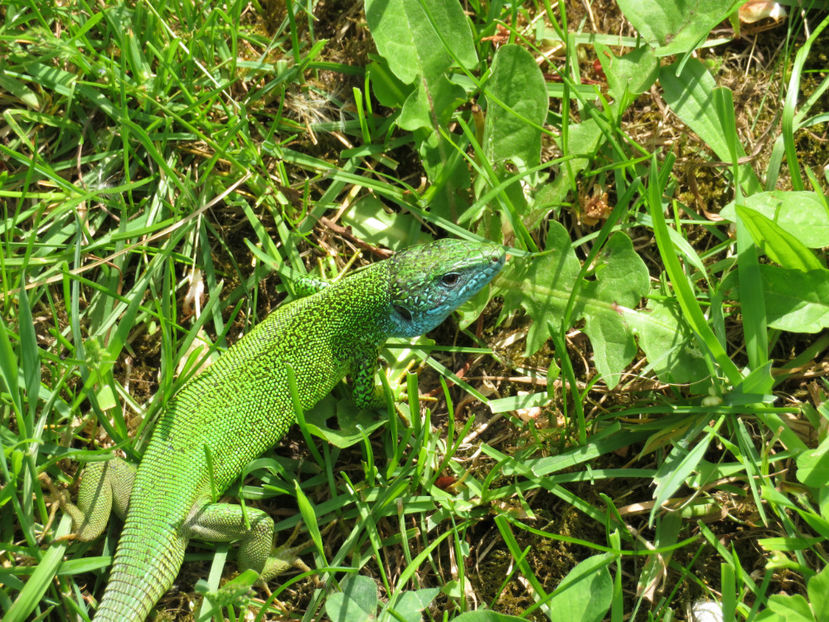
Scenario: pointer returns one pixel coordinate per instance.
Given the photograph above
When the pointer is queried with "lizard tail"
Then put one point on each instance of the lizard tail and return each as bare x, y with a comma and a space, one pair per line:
145, 566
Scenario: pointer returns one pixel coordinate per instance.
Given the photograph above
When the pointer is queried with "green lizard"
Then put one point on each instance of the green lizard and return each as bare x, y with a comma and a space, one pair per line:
241, 405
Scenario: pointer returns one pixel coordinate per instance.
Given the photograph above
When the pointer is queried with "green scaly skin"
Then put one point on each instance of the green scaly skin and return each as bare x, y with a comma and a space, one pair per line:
240, 406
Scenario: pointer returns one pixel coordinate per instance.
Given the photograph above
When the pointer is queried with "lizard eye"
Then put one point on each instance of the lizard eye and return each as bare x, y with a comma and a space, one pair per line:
450, 279
403, 312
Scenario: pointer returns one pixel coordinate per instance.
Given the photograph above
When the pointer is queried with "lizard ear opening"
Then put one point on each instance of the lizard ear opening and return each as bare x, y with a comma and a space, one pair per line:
403, 312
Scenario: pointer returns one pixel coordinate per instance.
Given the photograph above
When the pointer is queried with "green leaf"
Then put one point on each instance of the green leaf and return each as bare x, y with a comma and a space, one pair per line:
675, 26
354, 424
796, 301
583, 139
370, 221
410, 605
585, 593
420, 40
629, 75
753, 304
309, 517
758, 382
802, 214
779, 245
515, 402
786, 609
541, 285
431, 104
622, 281
356, 603
672, 350
235, 592
412, 44
486, 616
678, 465
543, 288
9, 370
388, 90
43, 575
516, 108
448, 196
813, 465
690, 95
18, 89
471, 310
691, 310
818, 589
29, 357
106, 398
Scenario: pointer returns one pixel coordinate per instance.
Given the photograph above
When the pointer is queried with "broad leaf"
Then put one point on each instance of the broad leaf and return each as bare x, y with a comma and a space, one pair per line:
410, 604
387, 88
585, 593
629, 75
800, 213
356, 603
415, 45
583, 141
813, 465
371, 222
431, 104
675, 26
516, 108
796, 301
673, 351
420, 40
818, 588
353, 424
542, 286
690, 95
622, 281
786, 609
779, 245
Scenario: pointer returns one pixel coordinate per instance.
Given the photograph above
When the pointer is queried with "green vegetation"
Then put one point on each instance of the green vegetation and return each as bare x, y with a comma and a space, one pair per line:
637, 423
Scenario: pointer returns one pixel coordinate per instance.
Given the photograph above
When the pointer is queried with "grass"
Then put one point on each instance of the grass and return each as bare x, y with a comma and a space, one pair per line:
636, 422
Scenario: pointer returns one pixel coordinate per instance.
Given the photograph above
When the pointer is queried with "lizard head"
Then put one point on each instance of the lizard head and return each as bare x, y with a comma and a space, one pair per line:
430, 281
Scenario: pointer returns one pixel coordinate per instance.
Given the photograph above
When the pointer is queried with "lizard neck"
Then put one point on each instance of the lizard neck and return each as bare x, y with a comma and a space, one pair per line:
361, 306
